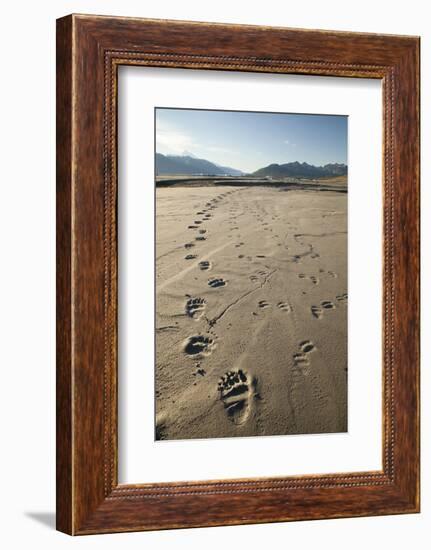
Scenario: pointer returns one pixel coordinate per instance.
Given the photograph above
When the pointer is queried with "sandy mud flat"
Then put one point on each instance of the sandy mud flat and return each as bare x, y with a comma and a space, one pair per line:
251, 311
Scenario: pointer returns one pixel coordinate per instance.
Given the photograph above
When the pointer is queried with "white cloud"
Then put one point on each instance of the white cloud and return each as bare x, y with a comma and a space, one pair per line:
170, 141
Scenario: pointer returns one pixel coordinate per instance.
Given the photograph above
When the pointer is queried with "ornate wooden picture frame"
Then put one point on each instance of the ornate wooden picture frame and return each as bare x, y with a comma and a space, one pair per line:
89, 51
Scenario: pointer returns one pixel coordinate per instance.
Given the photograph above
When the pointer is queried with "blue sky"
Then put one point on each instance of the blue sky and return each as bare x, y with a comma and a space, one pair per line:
248, 141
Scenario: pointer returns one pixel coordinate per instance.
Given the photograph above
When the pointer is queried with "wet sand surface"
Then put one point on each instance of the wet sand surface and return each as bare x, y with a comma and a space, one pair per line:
251, 311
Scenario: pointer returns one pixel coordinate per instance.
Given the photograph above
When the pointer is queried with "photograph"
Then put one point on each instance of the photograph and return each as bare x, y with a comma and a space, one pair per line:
211, 302
251, 273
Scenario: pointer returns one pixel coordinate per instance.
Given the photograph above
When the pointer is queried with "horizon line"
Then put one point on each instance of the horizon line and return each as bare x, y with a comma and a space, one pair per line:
192, 155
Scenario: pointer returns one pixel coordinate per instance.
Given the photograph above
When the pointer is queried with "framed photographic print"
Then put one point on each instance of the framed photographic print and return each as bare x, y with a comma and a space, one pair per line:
237, 274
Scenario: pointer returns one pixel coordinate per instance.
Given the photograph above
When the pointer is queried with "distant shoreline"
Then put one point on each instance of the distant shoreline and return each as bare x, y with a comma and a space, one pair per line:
337, 184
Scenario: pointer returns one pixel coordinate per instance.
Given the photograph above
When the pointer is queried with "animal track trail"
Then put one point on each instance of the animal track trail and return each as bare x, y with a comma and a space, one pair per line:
195, 307
300, 359
216, 283
204, 265
199, 345
200, 371
317, 311
258, 276
342, 298
315, 280
236, 394
306, 346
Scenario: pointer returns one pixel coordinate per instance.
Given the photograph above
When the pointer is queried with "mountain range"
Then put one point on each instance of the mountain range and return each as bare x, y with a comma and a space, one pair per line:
188, 164
301, 170
191, 165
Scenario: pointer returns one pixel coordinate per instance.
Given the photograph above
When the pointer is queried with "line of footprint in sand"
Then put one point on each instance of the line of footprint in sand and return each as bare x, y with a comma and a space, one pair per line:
205, 215
301, 358
235, 389
262, 216
314, 278
285, 307
326, 305
201, 345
